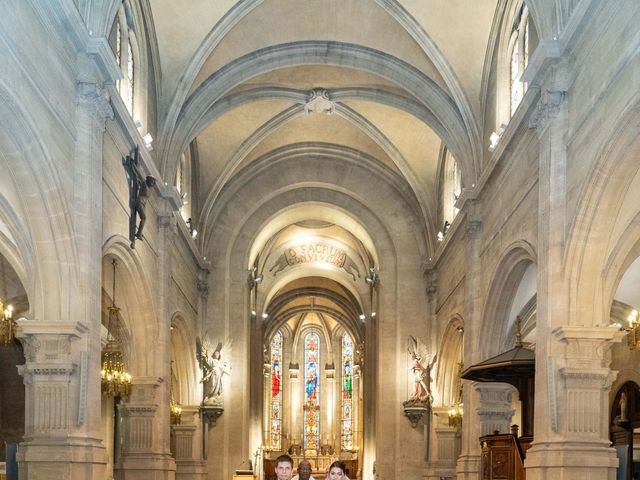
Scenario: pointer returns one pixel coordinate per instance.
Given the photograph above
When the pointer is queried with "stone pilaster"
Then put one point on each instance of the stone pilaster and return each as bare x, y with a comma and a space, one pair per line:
445, 447
468, 465
187, 446
143, 456
55, 377
577, 446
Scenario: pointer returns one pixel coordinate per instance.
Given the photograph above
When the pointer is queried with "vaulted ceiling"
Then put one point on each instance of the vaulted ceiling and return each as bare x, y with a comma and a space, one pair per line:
403, 77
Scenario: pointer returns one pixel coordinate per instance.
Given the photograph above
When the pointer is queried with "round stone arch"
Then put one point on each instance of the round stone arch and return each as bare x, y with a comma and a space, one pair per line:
15, 245
235, 223
449, 357
183, 354
334, 168
325, 53
598, 253
506, 278
135, 299
392, 7
44, 240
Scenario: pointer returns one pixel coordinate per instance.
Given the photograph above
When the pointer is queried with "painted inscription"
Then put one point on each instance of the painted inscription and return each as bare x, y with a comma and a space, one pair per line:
315, 252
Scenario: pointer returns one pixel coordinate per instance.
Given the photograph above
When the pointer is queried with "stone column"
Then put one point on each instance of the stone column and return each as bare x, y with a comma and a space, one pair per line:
468, 466
577, 445
187, 446
495, 409
572, 360
445, 447
55, 377
62, 376
143, 456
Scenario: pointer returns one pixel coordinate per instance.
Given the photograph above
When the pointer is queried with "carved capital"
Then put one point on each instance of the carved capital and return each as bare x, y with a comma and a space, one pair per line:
97, 99
547, 108
473, 229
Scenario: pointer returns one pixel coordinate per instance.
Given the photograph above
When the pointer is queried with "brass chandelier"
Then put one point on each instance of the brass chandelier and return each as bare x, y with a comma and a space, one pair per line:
633, 330
116, 381
7, 324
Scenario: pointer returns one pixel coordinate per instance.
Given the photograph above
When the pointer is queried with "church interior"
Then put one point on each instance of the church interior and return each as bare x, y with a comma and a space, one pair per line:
402, 234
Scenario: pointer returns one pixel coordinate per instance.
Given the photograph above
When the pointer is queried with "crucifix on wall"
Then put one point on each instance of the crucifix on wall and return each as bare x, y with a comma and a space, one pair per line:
139, 191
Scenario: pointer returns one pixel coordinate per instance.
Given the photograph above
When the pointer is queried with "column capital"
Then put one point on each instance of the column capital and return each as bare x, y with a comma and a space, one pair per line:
586, 347
97, 99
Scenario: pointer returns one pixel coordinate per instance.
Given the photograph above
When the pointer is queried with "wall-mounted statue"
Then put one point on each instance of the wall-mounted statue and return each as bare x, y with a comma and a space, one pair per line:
421, 370
213, 369
139, 191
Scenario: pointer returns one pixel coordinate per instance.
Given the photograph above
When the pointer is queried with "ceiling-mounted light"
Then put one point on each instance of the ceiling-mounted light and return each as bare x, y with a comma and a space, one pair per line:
362, 316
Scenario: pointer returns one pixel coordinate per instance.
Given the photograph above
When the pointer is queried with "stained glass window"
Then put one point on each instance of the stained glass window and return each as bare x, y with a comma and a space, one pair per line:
347, 393
312, 391
276, 390
519, 58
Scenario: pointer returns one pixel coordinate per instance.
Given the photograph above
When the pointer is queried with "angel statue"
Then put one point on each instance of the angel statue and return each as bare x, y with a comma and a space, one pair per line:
213, 369
421, 371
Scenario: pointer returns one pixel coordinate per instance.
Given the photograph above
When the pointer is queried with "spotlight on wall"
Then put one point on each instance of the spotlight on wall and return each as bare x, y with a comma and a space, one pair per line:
373, 314
493, 141
265, 315
148, 140
440, 236
253, 313
362, 316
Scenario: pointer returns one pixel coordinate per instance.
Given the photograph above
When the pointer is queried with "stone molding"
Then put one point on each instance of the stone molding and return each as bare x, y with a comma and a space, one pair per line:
333, 53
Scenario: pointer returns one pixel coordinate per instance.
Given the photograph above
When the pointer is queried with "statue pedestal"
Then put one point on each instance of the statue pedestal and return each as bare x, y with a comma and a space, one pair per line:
210, 414
416, 411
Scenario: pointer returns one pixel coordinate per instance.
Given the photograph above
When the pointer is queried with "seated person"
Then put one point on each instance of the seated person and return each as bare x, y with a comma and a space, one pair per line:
284, 467
304, 471
337, 471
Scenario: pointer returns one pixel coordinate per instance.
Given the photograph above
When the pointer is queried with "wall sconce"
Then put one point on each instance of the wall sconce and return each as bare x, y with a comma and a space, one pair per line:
633, 330
455, 415
175, 411
7, 324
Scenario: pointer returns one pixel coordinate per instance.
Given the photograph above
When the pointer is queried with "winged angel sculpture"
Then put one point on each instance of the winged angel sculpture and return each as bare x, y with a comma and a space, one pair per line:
421, 370
213, 369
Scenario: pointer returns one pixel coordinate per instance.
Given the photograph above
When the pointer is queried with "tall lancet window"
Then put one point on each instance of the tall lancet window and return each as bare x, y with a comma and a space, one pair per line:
347, 393
452, 188
311, 391
519, 57
128, 98
123, 44
276, 390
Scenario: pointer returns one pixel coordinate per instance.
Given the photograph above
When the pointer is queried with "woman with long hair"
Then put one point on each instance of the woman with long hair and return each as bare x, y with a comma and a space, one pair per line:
337, 471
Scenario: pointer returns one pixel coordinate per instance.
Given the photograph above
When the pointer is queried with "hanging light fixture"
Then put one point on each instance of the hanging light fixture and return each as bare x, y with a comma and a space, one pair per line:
175, 411
7, 324
456, 411
116, 381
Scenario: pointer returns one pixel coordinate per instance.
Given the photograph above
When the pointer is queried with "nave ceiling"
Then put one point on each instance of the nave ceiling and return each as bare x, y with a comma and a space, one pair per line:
404, 78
